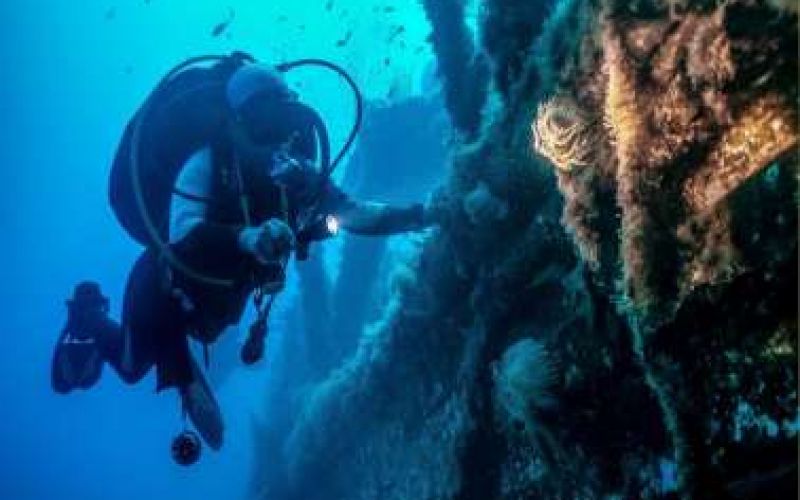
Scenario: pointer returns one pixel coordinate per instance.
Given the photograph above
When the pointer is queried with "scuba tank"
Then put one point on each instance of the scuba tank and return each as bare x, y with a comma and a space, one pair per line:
186, 111
182, 114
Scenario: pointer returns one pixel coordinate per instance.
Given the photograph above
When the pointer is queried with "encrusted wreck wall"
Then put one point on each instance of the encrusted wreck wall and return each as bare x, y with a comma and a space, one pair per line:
608, 308
674, 137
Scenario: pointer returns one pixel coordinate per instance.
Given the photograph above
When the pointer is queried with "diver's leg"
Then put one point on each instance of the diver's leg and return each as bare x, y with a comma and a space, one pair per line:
148, 313
130, 363
117, 346
175, 367
202, 408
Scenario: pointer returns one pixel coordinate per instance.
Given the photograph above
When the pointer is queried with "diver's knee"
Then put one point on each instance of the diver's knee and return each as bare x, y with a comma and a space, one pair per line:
133, 376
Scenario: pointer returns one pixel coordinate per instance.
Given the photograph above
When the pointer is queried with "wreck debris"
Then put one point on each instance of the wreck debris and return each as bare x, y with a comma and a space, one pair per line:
695, 106
765, 130
670, 126
676, 129
461, 67
624, 118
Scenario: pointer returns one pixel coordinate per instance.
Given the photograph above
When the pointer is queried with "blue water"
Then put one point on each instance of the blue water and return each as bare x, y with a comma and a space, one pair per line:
73, 72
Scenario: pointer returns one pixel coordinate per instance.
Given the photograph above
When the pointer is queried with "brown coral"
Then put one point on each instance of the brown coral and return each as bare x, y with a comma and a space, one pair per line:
766, 129
642, 38
709, 58
622, 115
581, 213
713, 258
680, 140
625, 120
677, 119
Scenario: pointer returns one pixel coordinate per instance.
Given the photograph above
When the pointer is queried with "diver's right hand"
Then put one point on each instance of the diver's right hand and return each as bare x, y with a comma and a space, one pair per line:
268, 243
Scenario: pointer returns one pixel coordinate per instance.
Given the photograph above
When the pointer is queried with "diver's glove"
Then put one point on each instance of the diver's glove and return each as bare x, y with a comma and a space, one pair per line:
271, 242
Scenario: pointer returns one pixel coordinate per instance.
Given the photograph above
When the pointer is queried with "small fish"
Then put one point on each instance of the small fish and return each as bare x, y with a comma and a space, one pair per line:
329, 6
389, 9
110, 14
344, 41
283, 18
219, 29
387, 61
223, 26
393, 92
397, 31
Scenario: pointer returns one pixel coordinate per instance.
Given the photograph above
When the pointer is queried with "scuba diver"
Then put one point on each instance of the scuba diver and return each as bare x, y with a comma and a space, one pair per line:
222, 174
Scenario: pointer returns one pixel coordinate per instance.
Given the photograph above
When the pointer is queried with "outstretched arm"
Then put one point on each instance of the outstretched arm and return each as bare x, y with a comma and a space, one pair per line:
379, 219
324, 198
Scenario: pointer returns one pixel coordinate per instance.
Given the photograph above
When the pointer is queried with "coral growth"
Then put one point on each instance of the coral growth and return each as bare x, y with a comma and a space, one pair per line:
463, 69
696, 104
483, 208
523, 384
563, 133
713, 256
508, 29
670, 126
764, 130
581, 214
682, 138
624, 118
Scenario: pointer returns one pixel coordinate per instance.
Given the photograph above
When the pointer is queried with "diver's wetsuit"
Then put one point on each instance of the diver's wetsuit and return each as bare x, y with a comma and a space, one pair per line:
162, 306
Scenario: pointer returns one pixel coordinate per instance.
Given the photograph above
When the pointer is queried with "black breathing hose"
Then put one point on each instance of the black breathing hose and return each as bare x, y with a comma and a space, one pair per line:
152, 230
359, 102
